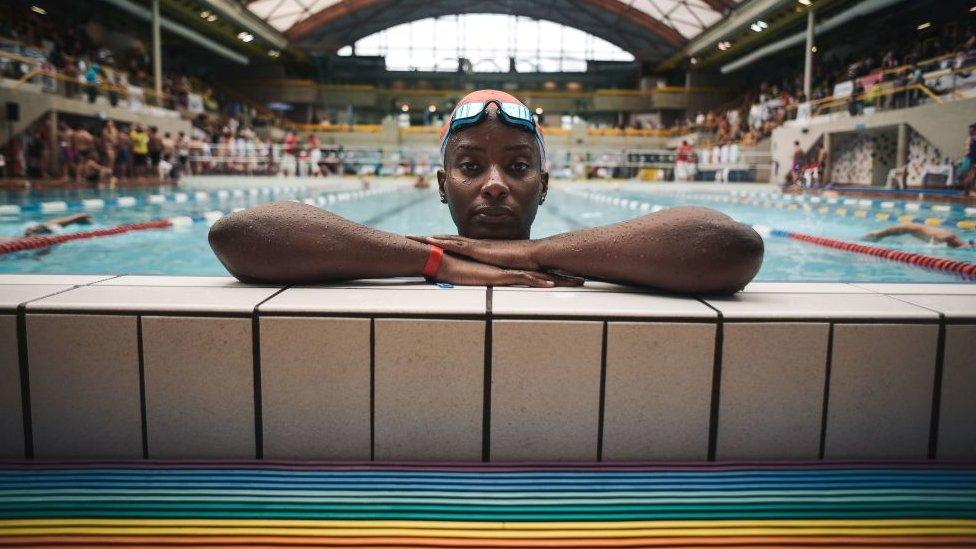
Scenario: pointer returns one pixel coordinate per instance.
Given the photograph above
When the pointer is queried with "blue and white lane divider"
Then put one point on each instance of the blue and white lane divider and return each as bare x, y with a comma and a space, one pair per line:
942, 214
193, 197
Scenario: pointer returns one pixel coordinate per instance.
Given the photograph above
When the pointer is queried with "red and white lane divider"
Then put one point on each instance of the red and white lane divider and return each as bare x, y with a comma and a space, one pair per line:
46, 241
962, 268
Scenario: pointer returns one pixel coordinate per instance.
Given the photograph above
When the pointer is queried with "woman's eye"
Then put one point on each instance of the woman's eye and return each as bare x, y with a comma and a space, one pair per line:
520, 166
469, 166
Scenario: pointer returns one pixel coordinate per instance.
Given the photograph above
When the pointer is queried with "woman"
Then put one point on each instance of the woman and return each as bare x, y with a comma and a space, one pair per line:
493, 182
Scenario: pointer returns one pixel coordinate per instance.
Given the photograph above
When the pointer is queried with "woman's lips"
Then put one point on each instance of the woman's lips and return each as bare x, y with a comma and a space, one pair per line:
493, 214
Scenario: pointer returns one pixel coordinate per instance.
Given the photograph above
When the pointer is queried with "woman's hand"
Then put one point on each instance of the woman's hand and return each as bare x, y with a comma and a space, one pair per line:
508, 254
465, 272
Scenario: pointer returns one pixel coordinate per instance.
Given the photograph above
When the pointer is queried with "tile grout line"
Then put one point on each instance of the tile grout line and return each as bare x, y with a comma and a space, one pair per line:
603, 393
937, 390
372, 389
23, 363
486, 382
821, 452
256, 373
713, 411
142, 388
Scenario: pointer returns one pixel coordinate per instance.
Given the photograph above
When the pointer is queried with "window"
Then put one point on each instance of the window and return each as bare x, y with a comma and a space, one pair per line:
487, 41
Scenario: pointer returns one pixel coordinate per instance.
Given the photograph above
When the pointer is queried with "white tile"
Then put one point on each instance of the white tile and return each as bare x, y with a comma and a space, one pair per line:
199, 376
909, 288
315, 388
84, 383
545, 390
645, 419
772, 385
11, 418
429, 399
957, 416
151, 299
816, 306
201, 281
598, 304
880, 396
954, 307
803, 288
55, 279
393, 283
588, 286
13, 295
458, 300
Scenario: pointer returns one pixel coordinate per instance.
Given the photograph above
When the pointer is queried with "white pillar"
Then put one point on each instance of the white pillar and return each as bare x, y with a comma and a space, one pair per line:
808, 58
157, 53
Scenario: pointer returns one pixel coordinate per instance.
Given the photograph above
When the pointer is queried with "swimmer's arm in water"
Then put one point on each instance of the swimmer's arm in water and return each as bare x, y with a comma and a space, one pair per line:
914, 229
683, 249
293, 243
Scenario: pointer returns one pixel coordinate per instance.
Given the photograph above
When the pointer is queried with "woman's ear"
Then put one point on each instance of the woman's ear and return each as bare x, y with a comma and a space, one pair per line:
544, 176
441, 180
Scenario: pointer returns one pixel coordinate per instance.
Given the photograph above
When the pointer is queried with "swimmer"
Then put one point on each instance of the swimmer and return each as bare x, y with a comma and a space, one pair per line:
493, 181
932, 235
50, 226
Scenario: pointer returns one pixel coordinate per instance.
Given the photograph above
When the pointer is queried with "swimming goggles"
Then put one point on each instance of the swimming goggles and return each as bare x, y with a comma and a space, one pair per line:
513, 114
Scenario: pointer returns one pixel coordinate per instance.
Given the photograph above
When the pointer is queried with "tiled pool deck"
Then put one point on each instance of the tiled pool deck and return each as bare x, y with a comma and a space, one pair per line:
135, 367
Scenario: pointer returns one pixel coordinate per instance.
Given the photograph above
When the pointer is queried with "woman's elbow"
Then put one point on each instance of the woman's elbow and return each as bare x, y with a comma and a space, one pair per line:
741, 256
228, 240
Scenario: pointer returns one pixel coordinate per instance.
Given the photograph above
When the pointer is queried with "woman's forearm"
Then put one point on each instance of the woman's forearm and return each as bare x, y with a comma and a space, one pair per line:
684, 249
289, 242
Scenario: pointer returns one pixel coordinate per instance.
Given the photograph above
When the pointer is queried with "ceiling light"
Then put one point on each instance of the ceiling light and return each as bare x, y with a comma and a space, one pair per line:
538, 110
694, 60
38, 10
274, 53
972, 8
245, 36
805, 2
814, 49
431, 108
759, 26
405, 107
724, 45
925, 25
212, 18
205, 14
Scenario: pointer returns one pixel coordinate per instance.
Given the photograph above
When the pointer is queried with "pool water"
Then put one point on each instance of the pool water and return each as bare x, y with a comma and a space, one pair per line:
183, 250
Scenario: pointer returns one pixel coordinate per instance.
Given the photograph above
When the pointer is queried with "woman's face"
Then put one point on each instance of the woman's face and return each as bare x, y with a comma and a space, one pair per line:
492, 180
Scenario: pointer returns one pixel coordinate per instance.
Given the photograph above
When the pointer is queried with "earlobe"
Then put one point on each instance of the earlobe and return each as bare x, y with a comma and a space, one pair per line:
441, 179
545, 187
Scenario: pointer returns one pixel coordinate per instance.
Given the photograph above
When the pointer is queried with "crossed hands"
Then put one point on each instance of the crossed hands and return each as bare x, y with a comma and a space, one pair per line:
472, 262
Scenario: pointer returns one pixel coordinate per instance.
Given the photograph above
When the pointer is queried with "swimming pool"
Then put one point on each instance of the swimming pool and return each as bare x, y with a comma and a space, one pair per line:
394, 206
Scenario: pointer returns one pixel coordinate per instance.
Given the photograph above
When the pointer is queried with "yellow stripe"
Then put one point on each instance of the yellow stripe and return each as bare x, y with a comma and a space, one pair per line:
882, 216
860, 213
934, 221
791, 207
966, 225
492, 534
823, 209
841, 212
905, 218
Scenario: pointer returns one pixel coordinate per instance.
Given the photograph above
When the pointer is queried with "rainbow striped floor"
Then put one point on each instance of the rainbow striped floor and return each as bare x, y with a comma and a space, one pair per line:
281, 504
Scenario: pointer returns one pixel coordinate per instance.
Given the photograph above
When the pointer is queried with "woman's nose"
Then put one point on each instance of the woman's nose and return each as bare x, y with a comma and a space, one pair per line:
495, 187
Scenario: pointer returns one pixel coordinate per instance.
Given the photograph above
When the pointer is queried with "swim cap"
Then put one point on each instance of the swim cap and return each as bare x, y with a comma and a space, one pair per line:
485, 96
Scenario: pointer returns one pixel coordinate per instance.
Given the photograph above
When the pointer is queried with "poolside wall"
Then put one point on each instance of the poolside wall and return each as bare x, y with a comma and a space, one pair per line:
171, 367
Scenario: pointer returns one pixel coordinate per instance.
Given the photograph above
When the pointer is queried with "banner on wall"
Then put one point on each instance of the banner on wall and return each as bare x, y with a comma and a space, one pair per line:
871, 79
843, 89
136, 97
803, 112
194, 103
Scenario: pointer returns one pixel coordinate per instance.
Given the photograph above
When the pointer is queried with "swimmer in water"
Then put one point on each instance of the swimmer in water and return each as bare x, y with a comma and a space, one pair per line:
493, 181
932, 235
50, 226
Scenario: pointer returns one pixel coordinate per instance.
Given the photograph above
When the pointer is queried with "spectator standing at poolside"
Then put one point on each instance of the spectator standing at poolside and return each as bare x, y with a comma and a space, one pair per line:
140, 150
823, 157
796, 168
123, 148
154, 145
109, 144
183, 151
969, 175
